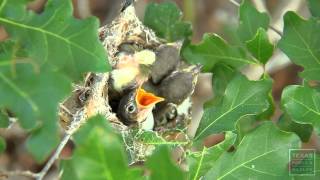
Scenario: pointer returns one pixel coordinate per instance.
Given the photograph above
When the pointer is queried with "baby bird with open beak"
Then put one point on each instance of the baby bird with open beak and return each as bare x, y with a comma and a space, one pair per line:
132, 70
136, 107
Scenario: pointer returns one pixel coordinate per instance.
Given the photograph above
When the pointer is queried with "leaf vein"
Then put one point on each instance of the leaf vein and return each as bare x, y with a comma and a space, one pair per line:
200, 163
222, 115
48, 33
242, 164
20, 93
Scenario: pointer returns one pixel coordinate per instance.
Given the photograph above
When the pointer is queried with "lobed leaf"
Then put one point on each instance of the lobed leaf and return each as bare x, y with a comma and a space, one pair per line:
262, 154
54, 39
301, 43
302, 104
32, 96
212, 50
250, 21
165, 20
242, 97
26, 92
45, 54
260, 46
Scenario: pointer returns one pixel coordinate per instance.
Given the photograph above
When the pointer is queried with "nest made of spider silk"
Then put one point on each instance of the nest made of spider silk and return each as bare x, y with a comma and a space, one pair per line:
126, 34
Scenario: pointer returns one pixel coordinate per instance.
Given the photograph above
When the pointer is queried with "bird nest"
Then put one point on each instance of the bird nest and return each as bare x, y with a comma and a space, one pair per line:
91, 97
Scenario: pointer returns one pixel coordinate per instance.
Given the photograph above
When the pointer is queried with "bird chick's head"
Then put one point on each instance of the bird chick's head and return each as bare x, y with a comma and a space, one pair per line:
137, 105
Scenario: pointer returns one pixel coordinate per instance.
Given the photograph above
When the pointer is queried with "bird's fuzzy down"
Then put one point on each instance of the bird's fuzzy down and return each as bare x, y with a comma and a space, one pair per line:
123, 77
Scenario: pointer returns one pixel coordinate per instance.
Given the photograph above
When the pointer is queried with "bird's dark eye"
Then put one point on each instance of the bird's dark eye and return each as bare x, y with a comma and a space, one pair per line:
131, 108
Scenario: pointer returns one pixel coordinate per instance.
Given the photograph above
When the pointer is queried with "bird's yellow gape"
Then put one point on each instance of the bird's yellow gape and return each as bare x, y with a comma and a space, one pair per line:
146, 100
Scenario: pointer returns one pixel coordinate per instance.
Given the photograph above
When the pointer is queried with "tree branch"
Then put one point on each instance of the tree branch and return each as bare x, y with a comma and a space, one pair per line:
7, 174
260, 5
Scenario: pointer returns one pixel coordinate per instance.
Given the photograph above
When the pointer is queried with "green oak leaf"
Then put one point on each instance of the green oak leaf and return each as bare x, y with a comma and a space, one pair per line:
165, 20
161, 166
262, 154
314, 6
32, 96
26, 92
2, 144
302, 104
260, 46
45, 54
201, 162
304, 131
300, 42
54, 40
242, 97
250, 21
99, 154
212, 50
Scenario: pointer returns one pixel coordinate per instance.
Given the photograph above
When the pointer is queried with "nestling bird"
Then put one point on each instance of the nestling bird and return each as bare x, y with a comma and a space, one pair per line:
167, 59
132, 70
179, 85
136, 107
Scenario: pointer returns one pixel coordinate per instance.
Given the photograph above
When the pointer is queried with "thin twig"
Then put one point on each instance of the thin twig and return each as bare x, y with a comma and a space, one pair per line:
234, 2
270, 26
275, 30
54, 157
7, 174
260, 5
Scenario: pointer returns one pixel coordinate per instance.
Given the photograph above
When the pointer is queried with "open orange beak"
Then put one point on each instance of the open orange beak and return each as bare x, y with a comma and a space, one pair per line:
146, 100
